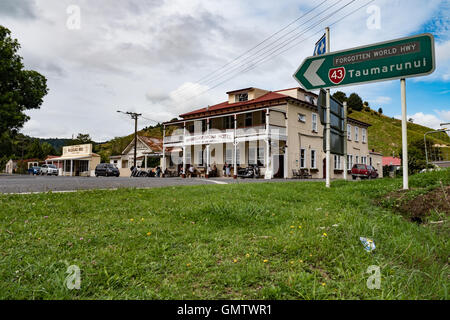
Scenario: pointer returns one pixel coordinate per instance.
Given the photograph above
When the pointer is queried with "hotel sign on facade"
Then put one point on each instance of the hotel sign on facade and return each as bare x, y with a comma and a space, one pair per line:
82, 149
212, 138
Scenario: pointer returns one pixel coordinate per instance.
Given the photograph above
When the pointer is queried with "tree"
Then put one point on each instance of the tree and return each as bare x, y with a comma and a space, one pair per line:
47, 149
20, 89
380, 110
416, 154
35, 150
82, 138
355, 102
340, 96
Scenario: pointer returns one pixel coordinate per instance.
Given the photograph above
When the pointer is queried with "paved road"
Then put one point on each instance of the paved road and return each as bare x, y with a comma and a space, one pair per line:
26, 184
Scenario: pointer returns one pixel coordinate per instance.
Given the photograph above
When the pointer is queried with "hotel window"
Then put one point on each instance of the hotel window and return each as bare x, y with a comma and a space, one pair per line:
370, 160
229, 122
356, 133
313, 159
349, 162
188, 154
301, 118
252, 155
302, 158
357, 159
349, 132
248, 119
363, 132
314, 122
199, 158
364, 160
229, 155
261, 158
241, 97
337, 162
238, 155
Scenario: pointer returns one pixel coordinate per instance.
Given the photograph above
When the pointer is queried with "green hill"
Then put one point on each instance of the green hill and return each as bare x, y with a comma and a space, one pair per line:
385, 133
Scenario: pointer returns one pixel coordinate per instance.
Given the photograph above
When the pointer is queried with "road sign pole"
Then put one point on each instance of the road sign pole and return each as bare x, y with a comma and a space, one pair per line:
345, 140
404, 135
327, 123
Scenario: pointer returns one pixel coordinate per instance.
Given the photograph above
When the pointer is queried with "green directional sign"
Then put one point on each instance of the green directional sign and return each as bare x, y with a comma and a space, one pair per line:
395, 59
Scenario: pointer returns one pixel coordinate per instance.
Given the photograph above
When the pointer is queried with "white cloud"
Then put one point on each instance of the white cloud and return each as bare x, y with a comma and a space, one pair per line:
429, 120
381, 100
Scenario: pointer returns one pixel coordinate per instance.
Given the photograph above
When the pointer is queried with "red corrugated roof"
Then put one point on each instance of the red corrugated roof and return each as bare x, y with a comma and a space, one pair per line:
154, 143
264, 98
392, 161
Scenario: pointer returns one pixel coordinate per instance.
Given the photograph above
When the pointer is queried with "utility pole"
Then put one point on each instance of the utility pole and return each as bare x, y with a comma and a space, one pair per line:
135, 117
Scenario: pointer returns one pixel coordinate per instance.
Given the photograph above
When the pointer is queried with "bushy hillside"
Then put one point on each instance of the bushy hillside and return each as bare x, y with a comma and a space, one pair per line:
385, 134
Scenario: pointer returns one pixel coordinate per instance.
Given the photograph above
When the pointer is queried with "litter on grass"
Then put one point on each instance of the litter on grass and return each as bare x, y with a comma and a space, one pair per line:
369, 245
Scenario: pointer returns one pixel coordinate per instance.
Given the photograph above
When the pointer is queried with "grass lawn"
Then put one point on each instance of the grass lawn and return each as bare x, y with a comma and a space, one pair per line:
292, 240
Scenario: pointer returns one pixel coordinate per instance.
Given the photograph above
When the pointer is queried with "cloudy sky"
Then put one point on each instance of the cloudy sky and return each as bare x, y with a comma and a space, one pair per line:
165, 57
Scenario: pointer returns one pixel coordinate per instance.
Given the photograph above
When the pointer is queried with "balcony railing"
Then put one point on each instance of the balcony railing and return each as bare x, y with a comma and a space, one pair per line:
240, 133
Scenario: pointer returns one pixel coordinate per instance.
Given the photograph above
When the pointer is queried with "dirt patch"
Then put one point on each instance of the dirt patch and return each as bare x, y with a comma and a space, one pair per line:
418, 208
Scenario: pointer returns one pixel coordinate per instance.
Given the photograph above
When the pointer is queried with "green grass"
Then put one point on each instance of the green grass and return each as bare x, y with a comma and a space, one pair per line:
211, 242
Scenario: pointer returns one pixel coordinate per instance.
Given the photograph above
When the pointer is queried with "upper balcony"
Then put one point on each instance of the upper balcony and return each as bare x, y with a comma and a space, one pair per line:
227, 135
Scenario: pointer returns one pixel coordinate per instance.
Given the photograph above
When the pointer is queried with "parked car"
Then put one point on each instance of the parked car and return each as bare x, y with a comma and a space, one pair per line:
49, 170
34, 170
364, 171
106, 169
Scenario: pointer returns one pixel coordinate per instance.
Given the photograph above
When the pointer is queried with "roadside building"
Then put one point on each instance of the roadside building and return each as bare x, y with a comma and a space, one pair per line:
279, 131
395, 162
376, 161
147, 148
12, 165
77, 160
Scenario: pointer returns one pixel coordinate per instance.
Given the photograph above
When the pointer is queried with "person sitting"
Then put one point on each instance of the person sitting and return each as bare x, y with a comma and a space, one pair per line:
213, 171
191, 171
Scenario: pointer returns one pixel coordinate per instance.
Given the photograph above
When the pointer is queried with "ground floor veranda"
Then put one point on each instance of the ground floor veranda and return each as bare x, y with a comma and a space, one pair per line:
76, 166
210, 159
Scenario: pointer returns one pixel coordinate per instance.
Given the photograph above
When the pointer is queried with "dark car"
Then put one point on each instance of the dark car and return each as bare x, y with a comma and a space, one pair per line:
106, 169
34, 170
364, 171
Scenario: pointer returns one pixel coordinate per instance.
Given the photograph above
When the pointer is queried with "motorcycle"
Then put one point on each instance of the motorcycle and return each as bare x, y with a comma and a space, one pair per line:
249, 172
139, 173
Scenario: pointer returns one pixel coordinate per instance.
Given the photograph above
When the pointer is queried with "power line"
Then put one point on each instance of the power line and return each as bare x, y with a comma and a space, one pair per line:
270, 56
256, 55
251, 49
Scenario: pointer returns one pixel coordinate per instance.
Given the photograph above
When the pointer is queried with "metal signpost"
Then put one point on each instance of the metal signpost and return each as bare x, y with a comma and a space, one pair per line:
395, 59
337, 118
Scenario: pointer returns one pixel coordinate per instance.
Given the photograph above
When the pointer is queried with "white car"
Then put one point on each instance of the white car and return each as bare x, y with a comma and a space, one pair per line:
49, 169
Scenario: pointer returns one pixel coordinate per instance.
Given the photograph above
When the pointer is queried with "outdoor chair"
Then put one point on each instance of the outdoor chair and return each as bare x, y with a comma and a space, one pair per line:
304, 174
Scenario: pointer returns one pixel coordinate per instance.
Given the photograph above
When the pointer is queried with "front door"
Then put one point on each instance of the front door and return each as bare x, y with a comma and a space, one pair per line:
324, 168
278, 165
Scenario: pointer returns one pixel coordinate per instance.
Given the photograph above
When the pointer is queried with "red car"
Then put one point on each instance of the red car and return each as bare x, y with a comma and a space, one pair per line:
364, 171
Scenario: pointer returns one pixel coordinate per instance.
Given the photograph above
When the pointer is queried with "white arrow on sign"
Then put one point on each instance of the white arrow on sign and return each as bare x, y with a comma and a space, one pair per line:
311, 73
